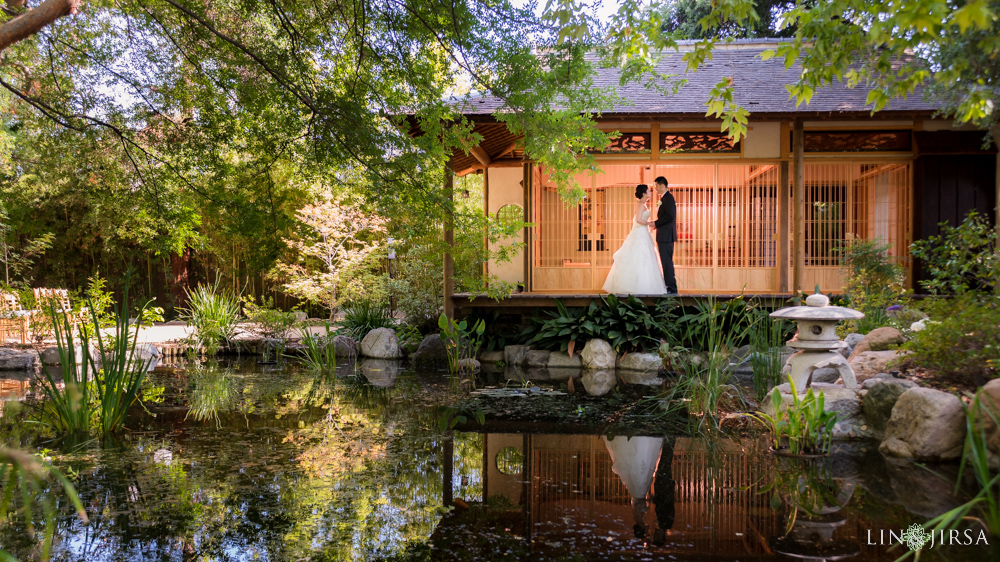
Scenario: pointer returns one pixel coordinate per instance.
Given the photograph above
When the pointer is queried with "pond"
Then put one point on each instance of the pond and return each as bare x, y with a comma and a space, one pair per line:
248, 462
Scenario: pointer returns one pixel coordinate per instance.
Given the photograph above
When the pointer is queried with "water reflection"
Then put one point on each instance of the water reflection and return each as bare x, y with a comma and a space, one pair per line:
231, 463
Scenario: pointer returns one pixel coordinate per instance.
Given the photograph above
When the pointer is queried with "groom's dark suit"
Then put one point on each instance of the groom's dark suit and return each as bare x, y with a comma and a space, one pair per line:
666, 235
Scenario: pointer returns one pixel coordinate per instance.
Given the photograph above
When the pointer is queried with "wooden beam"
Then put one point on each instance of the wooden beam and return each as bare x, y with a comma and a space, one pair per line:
799, 197
467, 171
507, 163
782, 238
509, 149
481, 155
449, 241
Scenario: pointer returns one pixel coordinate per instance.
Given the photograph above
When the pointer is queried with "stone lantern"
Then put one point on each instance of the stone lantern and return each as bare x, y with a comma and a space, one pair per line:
817, 342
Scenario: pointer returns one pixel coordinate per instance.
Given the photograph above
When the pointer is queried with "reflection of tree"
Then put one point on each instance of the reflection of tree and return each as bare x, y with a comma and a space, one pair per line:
295, 467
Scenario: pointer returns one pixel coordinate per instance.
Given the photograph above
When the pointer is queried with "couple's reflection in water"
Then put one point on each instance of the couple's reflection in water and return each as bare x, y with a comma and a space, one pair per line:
644, 465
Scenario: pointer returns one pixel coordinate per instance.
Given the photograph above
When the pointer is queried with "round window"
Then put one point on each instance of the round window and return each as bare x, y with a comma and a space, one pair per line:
510, 461
509, 214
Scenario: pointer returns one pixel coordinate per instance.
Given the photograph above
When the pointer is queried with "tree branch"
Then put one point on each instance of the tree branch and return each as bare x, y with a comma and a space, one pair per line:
33, 21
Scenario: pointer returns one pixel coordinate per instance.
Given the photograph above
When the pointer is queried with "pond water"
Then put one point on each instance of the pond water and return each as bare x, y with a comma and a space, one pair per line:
244, 462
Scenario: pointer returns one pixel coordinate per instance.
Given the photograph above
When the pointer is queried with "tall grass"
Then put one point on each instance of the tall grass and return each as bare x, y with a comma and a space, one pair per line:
365, 315
212, 391
214, 314
767, 337
105, 385
68, 406
706, 382
320, 354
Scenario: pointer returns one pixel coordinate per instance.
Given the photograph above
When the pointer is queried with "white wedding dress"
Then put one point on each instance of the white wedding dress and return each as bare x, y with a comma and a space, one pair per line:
634, 461
636, 270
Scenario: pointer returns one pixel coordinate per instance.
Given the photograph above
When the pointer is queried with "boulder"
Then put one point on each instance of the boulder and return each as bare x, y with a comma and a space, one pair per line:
50, 355
825, 374
345, 346
925, 424
536, 359
18, 360
469, 365
598, 382
879, 339
852, 340
430, 354
381, 372
381, 343
868, 364
491, 357
641, 362
562, 360
874, 380
598, 355
513, 355
880, 399
989, 398
851, 422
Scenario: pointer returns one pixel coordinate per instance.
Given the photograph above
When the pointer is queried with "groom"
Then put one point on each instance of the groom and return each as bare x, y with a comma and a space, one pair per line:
666, 233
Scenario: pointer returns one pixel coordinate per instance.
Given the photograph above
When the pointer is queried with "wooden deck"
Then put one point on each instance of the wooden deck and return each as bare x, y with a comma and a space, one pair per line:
528, 303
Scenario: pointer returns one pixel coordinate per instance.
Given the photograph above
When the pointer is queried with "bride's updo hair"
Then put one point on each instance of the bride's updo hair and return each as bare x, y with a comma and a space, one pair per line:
641, 190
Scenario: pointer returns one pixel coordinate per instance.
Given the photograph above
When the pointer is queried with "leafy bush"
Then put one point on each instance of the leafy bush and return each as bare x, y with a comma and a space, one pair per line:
266, 321
962, 258
874, 283
214, 314
365, 315
628, 324
416, 287
962, 338
560, 330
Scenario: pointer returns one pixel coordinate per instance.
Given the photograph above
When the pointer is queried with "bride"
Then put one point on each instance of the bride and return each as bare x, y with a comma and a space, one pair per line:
635, 270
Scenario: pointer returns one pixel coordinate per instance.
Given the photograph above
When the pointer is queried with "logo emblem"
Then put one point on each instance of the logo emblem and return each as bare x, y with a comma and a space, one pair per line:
915, 537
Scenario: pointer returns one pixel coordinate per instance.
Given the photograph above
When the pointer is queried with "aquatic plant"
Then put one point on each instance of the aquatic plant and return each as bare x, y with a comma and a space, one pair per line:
767, 337
364, 315
461, 341
68, 406
319, 352
802, 428
214, 314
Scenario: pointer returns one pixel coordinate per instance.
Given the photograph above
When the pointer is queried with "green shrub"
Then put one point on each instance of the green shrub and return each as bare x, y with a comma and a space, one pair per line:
501, 330
961, 259
365, 315
961, 338
562, 328
416, 287
874, 283
214, 314
265, 321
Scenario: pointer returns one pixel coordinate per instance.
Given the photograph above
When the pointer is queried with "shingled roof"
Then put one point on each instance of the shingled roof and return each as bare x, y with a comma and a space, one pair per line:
759, 87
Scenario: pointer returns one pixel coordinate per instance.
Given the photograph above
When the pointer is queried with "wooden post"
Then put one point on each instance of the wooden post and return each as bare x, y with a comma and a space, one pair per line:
449, 241
782, 237
799, 197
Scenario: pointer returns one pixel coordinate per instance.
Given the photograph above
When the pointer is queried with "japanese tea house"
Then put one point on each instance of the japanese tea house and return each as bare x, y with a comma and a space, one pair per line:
744, 223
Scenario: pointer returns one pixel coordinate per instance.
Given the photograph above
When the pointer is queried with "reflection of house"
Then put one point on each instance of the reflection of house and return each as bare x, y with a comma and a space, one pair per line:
565, 492
894, 176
